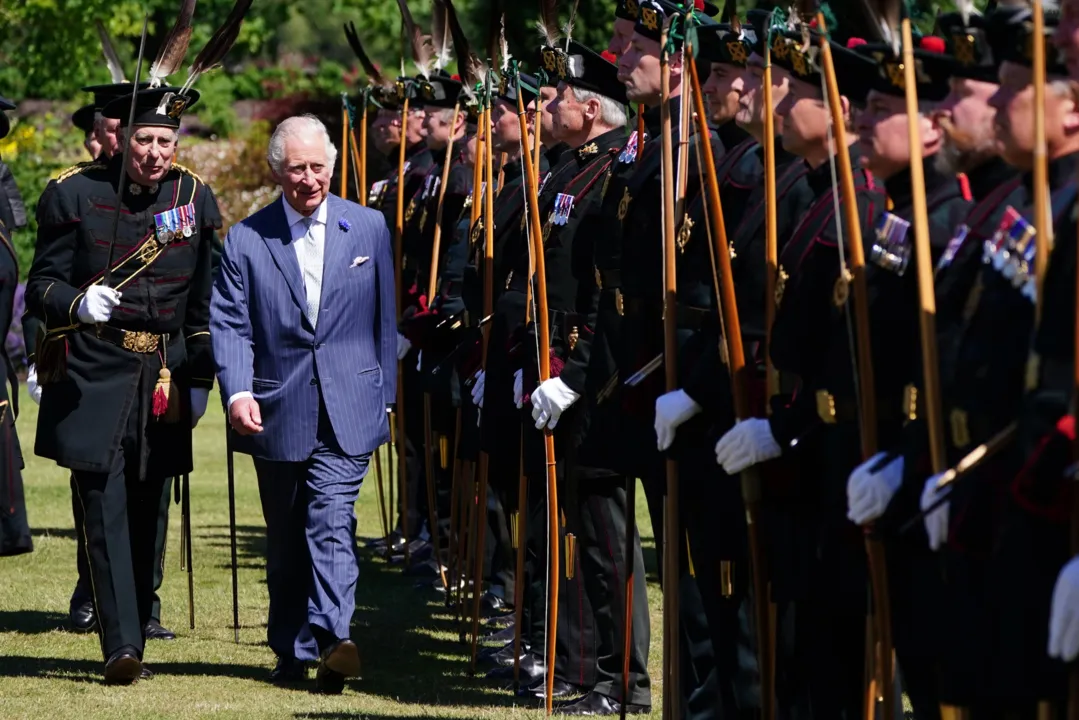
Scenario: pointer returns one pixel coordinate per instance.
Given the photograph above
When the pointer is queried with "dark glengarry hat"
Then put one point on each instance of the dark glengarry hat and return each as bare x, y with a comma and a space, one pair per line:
932, 68
159, 107
968, 46
721, 44
440, 91
83, 118
583, 68
799, 54
104, 94
627, 10
1011, 36
384, 97
507, 89
654, 13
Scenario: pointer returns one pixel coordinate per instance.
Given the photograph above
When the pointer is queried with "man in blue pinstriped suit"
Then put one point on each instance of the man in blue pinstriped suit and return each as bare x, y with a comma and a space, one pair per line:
303, 320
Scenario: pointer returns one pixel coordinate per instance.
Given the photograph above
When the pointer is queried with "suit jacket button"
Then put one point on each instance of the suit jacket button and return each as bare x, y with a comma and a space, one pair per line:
314, 381
318, 346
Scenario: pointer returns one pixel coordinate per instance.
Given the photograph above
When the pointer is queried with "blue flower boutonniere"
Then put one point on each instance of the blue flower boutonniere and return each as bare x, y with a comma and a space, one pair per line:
344, 224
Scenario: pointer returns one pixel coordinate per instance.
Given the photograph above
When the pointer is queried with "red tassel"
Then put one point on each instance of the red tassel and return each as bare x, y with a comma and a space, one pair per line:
161, 393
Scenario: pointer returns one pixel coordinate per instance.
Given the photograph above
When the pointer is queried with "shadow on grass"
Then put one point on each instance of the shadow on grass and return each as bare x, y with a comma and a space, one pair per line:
65, 533
410, 647
92, 671
31, 622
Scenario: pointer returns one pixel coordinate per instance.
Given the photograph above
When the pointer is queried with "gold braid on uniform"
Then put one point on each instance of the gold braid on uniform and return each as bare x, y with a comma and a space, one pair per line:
80, 168
188, 171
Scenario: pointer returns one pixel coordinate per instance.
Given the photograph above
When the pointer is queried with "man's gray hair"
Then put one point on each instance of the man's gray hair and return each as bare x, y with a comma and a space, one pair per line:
443, 114
611, 113
129, 132
293, 127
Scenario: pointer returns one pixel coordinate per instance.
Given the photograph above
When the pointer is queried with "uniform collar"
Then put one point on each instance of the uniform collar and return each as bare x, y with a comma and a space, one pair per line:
599, 145
899, 189
293, 217
988, 176
1061, 172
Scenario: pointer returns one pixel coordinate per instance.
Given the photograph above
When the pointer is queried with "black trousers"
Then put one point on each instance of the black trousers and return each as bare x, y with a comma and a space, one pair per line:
83, 588
717, 623
603, 517
575, 641
120, 526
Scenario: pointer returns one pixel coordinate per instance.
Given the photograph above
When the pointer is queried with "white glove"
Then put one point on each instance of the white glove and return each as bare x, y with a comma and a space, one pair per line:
403, 346
672, 410
199, 398
936, 522
97, 304
747, 443
31, 384
519, 388
477, 389
549, 401
1064, 614
869, 491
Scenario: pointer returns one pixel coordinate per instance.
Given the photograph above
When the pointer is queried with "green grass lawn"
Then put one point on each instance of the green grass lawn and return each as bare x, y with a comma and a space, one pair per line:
414, 666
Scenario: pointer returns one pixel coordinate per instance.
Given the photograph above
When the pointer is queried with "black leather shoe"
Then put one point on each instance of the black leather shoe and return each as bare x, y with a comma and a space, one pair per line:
329, 682
83, 617
536, 692
532, 668
493, 606
155, 631
504, 656
502, 636
123, 667
595, 703
287, 671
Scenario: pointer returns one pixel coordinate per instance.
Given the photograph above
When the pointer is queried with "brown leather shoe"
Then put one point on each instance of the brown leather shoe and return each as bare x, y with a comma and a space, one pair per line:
342, 657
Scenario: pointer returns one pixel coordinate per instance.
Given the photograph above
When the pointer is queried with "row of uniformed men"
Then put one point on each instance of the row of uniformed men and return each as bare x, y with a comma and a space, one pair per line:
960, 638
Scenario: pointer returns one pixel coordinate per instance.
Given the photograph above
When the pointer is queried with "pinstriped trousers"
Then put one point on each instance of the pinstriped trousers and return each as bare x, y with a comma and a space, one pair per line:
311, 566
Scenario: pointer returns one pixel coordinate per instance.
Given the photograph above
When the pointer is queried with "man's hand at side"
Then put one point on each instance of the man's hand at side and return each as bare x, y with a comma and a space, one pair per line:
245, 416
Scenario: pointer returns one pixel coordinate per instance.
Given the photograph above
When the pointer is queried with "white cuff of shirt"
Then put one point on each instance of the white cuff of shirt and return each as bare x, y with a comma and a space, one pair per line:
237, 396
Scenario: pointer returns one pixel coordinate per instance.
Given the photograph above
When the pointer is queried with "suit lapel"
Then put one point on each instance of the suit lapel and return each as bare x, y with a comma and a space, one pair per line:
284, 254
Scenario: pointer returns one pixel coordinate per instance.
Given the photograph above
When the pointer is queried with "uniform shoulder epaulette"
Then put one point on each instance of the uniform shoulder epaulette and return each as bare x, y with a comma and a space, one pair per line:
188, 171
80, 168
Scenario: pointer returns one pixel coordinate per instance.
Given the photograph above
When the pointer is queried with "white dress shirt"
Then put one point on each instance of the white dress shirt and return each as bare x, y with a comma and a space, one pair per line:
298, 230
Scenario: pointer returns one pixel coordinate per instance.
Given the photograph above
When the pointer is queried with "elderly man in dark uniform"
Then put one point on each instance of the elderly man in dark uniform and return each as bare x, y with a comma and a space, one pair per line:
126, 364
14, 528
102, 133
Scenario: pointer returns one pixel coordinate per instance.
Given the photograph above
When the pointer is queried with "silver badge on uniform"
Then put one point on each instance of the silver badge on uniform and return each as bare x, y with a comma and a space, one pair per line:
891, 250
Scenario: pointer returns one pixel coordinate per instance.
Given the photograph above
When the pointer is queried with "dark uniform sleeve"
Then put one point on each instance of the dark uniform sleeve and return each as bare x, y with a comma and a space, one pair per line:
200, 357
11, 195
575, 372
49, 293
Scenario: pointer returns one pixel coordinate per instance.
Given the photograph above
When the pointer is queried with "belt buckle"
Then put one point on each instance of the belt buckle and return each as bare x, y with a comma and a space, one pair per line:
140, 342
960, 428
826, 407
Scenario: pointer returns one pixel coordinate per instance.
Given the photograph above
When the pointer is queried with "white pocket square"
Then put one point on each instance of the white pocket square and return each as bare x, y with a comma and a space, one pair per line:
356, 262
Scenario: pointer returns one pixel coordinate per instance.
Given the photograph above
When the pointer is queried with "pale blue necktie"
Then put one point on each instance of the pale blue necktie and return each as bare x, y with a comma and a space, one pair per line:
312, 270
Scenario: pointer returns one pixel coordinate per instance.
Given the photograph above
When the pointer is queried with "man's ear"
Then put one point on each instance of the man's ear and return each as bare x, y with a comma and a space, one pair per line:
1070, 109
847, 117
592, 109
